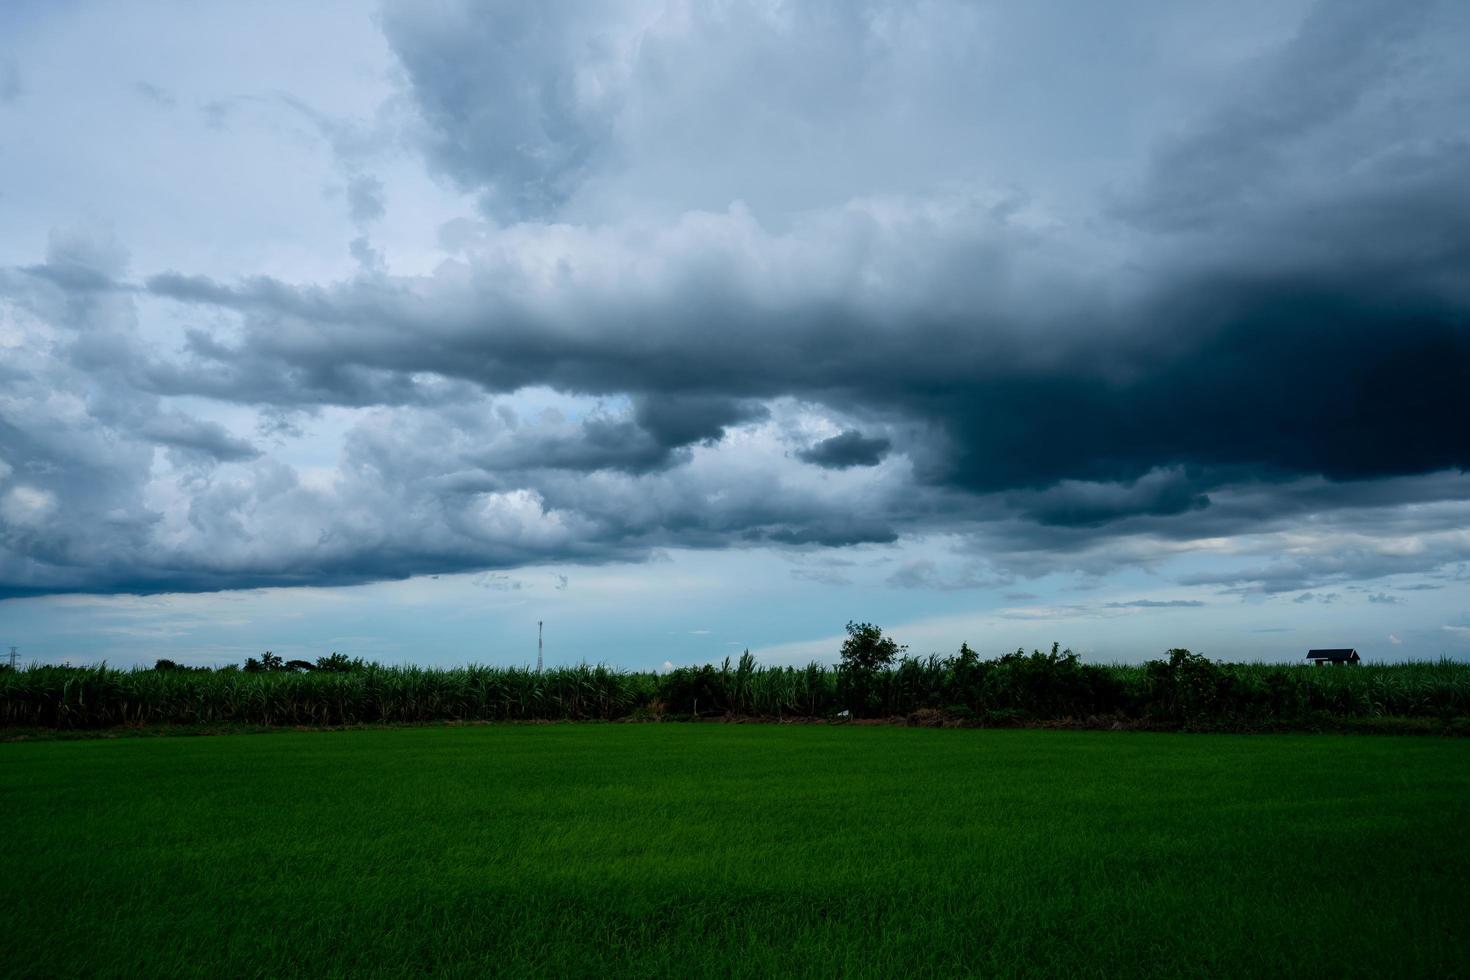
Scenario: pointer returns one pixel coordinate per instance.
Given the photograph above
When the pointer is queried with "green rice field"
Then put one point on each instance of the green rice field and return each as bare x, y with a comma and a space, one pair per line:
735, 850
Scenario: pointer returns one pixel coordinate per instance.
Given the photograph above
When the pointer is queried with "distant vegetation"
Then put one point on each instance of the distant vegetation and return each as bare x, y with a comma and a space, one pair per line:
875, 679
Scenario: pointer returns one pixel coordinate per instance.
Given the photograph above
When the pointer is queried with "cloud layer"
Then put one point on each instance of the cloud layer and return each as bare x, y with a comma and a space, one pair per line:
797, 275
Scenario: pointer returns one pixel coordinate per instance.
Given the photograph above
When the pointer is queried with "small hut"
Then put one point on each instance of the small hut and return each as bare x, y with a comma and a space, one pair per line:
1321, 657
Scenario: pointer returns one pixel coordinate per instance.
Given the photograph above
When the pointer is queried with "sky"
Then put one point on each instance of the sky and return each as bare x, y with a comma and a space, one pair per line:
686, 328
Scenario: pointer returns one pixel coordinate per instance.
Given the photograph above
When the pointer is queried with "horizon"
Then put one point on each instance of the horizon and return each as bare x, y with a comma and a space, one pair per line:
823, 650
830, 661
692, 329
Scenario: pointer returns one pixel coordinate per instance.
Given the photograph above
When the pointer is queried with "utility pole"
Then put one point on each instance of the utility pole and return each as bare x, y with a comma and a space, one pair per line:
13, 656
538, 646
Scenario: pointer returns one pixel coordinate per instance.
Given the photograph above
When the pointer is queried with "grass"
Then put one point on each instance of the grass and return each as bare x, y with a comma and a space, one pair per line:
597, 850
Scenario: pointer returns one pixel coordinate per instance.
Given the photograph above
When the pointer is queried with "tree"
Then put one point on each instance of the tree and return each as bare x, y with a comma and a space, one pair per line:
267, 661
865, 652
339, 663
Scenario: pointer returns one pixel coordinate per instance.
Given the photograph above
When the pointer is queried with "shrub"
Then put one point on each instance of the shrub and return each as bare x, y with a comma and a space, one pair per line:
1189, 687
693, 691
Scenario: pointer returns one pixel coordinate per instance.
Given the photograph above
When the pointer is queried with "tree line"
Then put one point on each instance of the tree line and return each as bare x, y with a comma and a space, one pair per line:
874, 678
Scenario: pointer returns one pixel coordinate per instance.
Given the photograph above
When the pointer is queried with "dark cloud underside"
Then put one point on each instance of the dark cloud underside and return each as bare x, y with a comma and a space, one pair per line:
849, 448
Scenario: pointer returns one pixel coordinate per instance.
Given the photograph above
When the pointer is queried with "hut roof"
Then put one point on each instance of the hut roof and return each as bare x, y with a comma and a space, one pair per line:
1345, 653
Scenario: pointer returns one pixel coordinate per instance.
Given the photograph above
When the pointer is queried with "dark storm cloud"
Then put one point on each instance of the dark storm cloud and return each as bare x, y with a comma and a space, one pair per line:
1300, 311
1344, 365
1348, 365
1287, 536
1162, 493
1281, 378
598, 444
829, 531
1267, 323
679, 420
654, 436
846, 449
